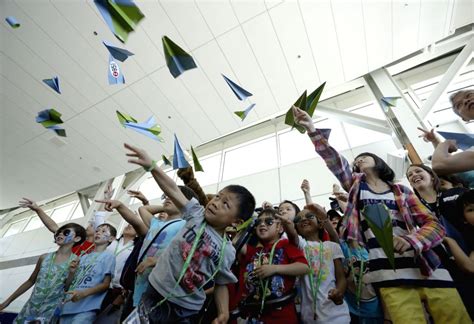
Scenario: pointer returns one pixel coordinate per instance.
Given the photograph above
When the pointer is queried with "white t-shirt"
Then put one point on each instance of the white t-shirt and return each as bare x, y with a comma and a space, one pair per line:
121, 253
326, 310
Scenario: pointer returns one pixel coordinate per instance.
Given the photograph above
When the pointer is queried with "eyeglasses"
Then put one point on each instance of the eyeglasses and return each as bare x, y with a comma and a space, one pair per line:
308, 216
269, 221
65, 232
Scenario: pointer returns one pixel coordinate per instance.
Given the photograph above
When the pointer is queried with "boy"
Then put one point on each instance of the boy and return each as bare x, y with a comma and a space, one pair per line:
90, 279
199, 253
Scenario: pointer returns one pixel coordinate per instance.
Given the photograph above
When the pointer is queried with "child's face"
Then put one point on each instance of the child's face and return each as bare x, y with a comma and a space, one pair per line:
445, 185
364, 162
469, 213
306, 223
66, 236
168, 206
102, 235
222, 210
129, 231
268, 228
287, 210
334, 222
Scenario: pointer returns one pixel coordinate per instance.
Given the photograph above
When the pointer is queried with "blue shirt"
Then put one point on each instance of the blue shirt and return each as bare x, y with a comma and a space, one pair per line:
91, 272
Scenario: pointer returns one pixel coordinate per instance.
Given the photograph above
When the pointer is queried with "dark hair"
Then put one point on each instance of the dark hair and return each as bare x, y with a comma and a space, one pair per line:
332, 214
381, 168
466, 198
436, 182
455, 180
321, 229
112, 229
78, 229
188, 192
295, 206
246, 200
270, 211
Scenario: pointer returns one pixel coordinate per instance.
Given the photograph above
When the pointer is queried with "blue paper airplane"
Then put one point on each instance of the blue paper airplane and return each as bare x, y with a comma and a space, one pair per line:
463, 141
12, 22
148, 128
388, 102
241, 93
115, 74
50, 119
118, 53
243, 114
53, 83
177, 59
179, 160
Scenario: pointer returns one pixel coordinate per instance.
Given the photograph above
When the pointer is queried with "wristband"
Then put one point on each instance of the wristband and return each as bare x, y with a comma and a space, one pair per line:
152, 166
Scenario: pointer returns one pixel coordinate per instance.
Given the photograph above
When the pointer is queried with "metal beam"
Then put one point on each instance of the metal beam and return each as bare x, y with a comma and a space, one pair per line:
459, 63
355, 119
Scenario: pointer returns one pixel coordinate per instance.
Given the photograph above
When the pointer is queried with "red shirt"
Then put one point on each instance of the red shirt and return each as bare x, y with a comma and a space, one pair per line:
278, 285
85, 248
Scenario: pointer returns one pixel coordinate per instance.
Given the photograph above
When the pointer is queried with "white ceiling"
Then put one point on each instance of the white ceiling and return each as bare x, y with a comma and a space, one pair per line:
274, 49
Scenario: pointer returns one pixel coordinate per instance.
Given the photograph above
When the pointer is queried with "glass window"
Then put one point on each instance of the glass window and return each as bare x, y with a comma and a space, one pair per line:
337, 138
251, 158
15, 228
295, 147
360, 136
34, 223
150, 189
61, 214
78, 213
369, 109
211, 166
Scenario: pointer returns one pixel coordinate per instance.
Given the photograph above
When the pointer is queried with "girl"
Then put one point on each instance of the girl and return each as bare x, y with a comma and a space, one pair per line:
48, 277
415, 232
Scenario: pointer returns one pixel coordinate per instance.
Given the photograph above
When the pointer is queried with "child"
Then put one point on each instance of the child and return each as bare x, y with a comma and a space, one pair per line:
90, 278
323, 288
269, 273
415, 232
199, 253
48, 277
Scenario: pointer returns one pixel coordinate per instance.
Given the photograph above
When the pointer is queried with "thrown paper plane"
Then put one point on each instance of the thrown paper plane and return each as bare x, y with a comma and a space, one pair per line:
388, 102
177, 59
114, 73
197, 164
121, 16
240, 92
53, 83
12, 22
179, 160
306, 103
463, 141
243, 114
50, 119
166, 161
124, 118
118, 53
148, 128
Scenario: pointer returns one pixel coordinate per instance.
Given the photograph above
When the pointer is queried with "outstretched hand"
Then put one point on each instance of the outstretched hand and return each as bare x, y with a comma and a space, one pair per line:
318, 210
140, 156
428, 136
28, 203
305, 186
137, 194
267, 205
110, 205
302, 118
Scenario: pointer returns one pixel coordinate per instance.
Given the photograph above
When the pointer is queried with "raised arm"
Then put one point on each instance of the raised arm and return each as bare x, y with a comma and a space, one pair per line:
305, 187
139, 195
323, 219
445, 163
50, 224
169, 187
25, 286
127, 214
335, 162
147, 212
290, 229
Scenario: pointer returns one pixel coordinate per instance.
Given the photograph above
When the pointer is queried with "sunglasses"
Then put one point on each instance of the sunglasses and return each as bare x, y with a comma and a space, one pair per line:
269, 221
308, 216
65, 232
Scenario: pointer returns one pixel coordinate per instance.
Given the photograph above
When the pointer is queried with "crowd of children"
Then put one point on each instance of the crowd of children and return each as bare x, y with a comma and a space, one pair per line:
199, 258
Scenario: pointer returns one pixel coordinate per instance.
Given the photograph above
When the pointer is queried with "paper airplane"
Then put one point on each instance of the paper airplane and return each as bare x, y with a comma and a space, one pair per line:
179, 160
124, 118
53, 83
118, 53
166, 161
197, 164
388, 102
243, 114
463, 141
50, 119
148, 128
306, 103
121, 16
12, 22
114, 73
177, 59
241, 93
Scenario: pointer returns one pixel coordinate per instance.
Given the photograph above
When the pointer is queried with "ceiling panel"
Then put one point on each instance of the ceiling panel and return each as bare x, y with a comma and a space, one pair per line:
433, 16
463, 14
406, 21
218, 15
245, 10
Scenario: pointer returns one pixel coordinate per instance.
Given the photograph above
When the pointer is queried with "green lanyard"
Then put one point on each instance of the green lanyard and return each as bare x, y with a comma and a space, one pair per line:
186, 266
265, 286
126, 247
82, 274
315, 287
357, 282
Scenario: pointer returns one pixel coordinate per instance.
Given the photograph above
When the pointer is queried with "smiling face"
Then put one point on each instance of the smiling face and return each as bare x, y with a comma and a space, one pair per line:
268, 228
419, 178
306, 223
223, 210
287, 210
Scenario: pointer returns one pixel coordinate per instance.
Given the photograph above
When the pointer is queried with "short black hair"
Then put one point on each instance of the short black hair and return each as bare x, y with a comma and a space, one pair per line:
454, 180
332, 214
246, 200
78, 229
188, 192
112, 229
295, 206
466, 198
383, 171
268, 211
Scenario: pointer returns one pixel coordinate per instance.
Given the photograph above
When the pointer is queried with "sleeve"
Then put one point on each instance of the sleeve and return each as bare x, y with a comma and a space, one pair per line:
301, 242
335, 162
336, 251
109, 265
225, 275
295, 254
430, 232
193, 210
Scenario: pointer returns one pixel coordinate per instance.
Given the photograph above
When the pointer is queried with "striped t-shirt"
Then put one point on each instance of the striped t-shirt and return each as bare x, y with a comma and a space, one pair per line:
407, 271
